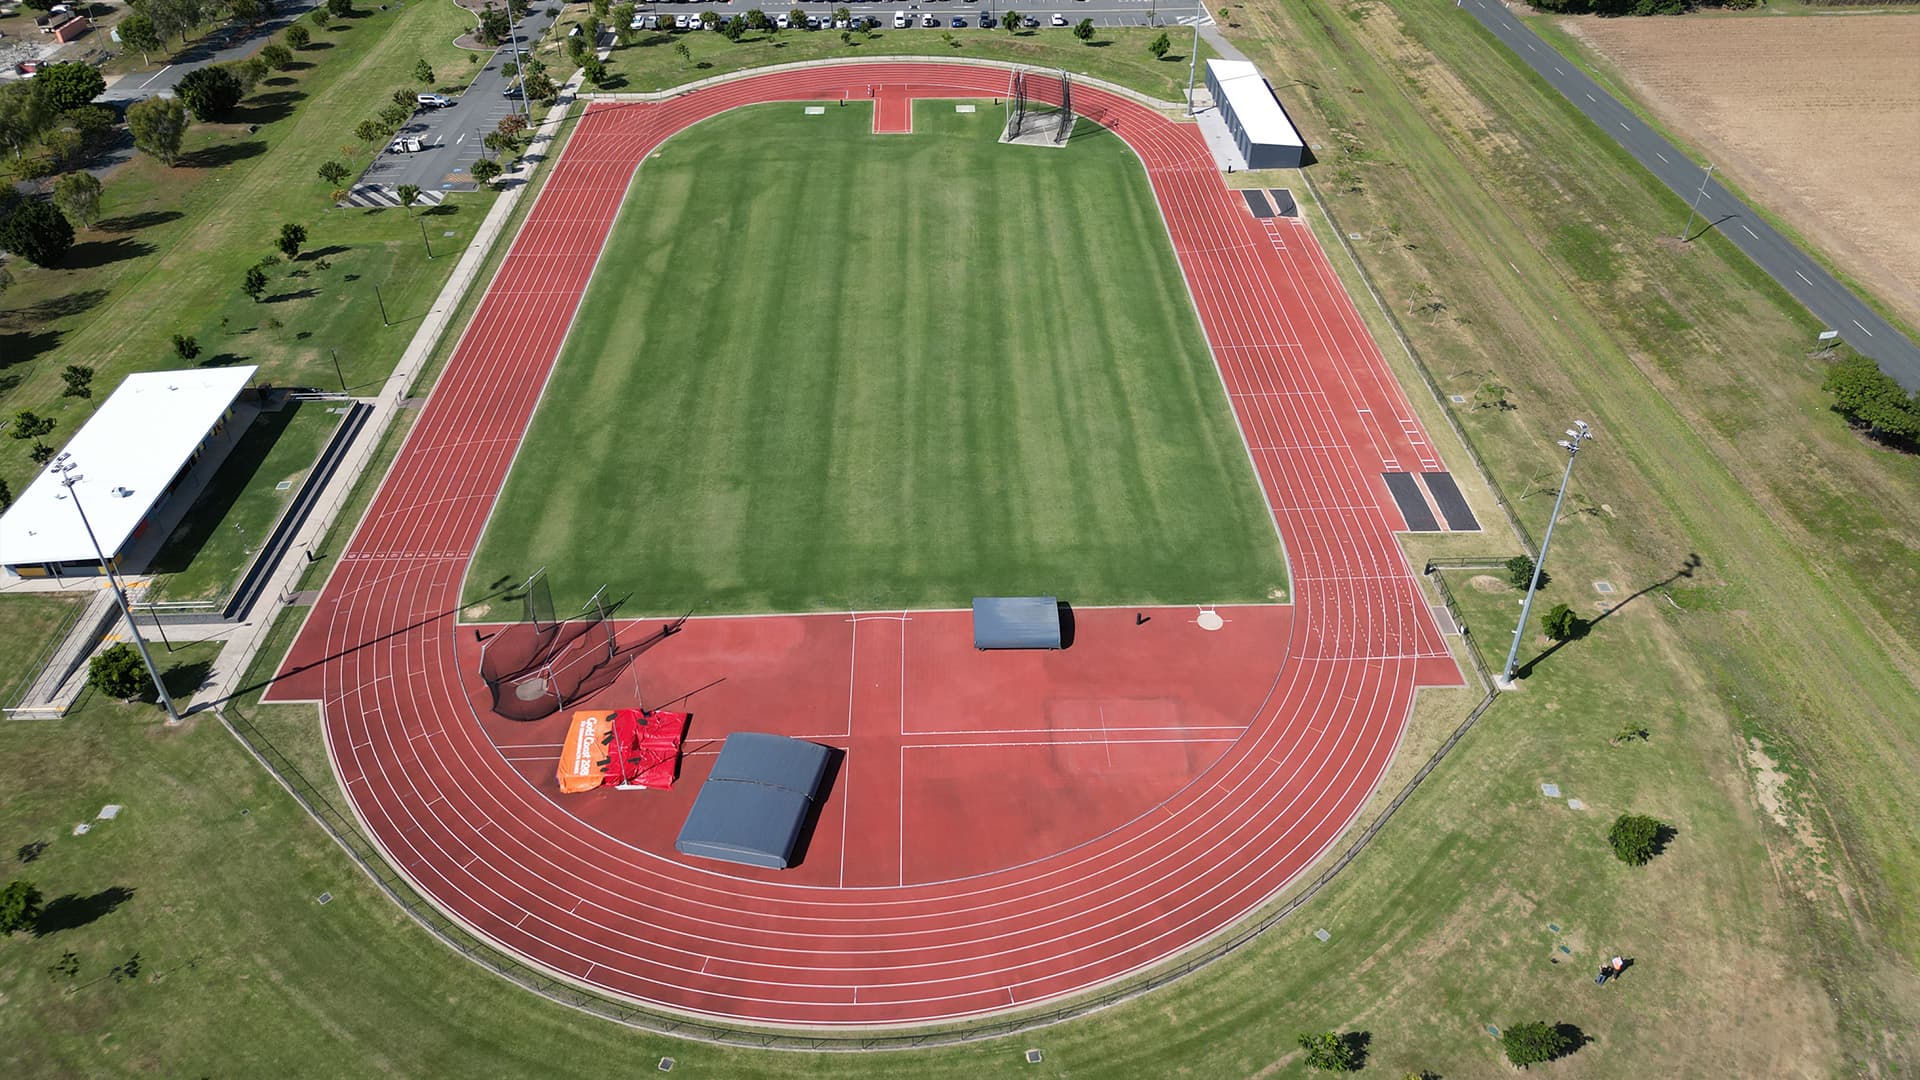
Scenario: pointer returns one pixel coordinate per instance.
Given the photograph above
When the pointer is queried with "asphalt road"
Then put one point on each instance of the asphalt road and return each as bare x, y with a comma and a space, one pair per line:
1831, 301
452, 136
228, 43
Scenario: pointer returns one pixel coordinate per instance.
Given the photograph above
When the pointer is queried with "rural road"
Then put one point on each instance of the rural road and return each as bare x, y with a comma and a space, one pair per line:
1859, 325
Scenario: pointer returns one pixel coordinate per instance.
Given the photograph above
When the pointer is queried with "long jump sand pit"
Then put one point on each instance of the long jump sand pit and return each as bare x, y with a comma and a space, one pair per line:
1817, 117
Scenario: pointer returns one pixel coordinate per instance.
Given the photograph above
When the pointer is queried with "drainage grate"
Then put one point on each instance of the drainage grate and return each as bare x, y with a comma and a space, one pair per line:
1551, 791
324, 898
666, 1064
1604, 588
1034, 1057
1322, 934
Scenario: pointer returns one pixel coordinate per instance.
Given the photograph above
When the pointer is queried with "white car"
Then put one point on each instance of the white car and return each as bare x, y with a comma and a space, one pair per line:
843, 24
1058, 19
405, 146
900, 20
780, 21
929, 20
680, 21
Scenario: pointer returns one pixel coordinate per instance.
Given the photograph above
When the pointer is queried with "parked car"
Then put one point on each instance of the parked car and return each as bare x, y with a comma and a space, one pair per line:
405, 146
434, 101
780, 21
1058, 19
986, 21
900, 20
959, 22
1031, 23
929, 20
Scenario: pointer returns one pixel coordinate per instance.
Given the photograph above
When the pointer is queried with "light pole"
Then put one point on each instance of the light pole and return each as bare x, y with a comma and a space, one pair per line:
519, 64
1193, 55
1693, 208
63, 468
1577, 435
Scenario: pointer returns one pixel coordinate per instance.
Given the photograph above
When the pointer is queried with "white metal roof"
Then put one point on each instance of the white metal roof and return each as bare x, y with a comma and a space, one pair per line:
1253, 103
125, 456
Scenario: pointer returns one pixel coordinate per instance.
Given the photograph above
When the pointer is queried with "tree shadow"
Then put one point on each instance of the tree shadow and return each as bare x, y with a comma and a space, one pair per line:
185, 680
1574, 1037
1585, 626
50, 309
327, 252
97, 253
266, 108
1357, 1044
31, 850
73, 910
18, 348
212, 157
297, 294
146, 219
225, 359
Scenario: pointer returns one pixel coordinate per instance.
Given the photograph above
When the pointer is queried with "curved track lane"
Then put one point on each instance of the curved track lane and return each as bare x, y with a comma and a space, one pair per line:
1322, 416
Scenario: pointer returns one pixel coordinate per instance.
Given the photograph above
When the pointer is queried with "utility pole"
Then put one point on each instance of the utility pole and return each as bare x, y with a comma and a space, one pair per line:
1577, 435
519, 65
1694, 208
62, 468
1193, 55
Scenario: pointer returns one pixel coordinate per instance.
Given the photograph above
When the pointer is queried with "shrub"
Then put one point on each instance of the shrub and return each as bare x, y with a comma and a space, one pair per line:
278, 57
19, 906
297, 37
1330, 1051
1562, 624
1536, 1041
209, 92
118, 672
1636, 838
1520, 571
185, 346
34, 230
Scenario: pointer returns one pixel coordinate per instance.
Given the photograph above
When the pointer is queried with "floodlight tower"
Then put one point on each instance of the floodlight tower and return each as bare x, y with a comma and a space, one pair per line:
62, 468
1577, 436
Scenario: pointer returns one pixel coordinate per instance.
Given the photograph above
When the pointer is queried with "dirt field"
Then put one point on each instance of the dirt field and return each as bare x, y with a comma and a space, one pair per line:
1817, 118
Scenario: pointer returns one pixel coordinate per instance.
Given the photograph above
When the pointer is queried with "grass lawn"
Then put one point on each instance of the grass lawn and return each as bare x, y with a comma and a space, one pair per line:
987, 378
213, 543
173, 244
1116, 54
28, 622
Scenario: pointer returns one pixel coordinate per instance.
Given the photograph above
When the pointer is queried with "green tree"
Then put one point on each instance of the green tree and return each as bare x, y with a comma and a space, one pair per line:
1871, 400
369, 130
1537, 1041
291, 237
138, 32
19, 906
340, 8
409, 194
320, 16
1636, 838
1561, 624
709, 20
485, 170
595, 71
249, 72
209, 92
1084, 30
246, 11
423, 73
277, 56
79, 380
1010, 21
842, 15
23, 116
297, 37
538, 86
68, 86
1520, 571
77, 195
680, 47
757, 19
186, 346
394, 115
599, 8
333, 173
28, 424
735, 29
493, 25
1160, 45
623, 22
34, 230
1330, 1051
254, 284
117, 672
797, 18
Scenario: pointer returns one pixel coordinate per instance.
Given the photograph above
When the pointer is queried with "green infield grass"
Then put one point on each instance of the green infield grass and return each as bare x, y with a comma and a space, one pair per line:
982, 374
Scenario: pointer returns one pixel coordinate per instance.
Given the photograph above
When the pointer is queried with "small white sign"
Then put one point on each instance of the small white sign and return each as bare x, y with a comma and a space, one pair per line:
964, 108
816, 110
1829, 335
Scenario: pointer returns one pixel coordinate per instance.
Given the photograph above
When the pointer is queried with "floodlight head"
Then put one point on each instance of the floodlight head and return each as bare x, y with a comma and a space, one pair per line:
1570, 447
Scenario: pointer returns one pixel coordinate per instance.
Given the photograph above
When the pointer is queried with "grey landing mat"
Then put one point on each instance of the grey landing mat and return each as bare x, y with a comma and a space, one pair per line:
1453, 505
1413, 505
1283, 204
1257, 202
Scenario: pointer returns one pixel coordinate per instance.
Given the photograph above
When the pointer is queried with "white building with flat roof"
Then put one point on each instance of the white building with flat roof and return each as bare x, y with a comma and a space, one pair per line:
129, 457
1259, 125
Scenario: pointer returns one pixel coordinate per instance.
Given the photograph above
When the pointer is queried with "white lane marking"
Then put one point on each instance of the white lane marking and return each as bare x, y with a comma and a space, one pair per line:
1593, 99
1557, 71
1661, 156
156, 75
1863, 329
1530, 47
1624, 127
1749, 232
1802, 277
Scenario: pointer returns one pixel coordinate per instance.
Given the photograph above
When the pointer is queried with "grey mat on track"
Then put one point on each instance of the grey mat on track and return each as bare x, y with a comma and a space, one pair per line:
1257, 202
1453, 505
1413, 505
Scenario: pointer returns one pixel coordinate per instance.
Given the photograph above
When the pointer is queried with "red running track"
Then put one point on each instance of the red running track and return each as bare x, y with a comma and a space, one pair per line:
1321, 415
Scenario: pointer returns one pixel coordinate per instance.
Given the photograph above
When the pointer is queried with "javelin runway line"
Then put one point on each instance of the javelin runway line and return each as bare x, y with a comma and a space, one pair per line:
1312, 397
